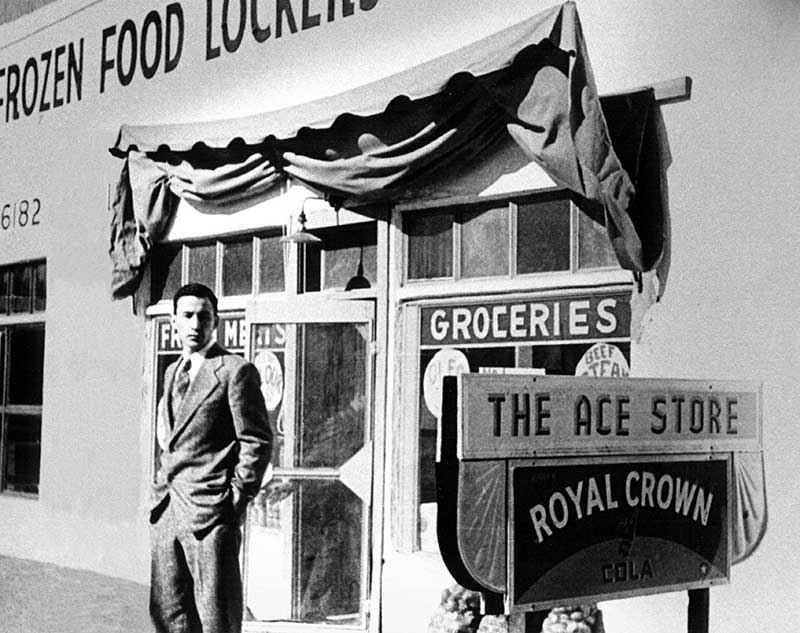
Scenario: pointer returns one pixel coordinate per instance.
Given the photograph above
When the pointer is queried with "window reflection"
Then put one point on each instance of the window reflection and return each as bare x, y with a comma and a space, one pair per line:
304, 551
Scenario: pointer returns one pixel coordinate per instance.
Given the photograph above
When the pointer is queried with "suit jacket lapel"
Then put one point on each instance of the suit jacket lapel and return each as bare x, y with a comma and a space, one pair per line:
203, 384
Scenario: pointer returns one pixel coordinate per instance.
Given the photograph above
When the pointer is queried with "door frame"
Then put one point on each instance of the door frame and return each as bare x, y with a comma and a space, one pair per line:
336, 308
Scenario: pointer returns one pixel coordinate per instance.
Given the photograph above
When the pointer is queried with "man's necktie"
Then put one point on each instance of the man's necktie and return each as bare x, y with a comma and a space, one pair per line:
180, 385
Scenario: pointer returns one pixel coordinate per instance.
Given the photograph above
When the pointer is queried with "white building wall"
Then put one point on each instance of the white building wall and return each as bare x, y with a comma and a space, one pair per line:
728, 311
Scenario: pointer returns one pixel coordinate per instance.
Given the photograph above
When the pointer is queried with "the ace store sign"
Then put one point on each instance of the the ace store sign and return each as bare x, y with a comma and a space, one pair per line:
615, 486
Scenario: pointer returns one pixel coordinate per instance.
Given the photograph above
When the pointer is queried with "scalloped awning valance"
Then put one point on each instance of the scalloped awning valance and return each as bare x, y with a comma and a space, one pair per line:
531, 82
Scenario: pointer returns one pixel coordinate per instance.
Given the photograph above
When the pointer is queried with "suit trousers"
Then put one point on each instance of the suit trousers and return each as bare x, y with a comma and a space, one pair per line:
195, 584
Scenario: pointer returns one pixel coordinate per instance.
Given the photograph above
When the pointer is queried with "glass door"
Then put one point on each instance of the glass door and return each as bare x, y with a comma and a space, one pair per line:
307, 534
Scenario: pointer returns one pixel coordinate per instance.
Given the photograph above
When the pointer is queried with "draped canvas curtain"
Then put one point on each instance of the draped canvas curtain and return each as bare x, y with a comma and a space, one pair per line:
532, 83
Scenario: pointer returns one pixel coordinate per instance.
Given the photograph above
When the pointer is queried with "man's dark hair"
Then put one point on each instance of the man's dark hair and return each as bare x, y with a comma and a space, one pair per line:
194, 290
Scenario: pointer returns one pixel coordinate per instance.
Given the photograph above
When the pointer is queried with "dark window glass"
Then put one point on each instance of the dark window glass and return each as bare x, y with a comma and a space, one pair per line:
237, 268
165, 275
271, 265
203, 264
543, 236
3, 336
563, 359
594, 247
25, 365
39, 287
21, 288
430, 245
4, 290
484, 243
333, 403
23, 452
345, 251
310, 266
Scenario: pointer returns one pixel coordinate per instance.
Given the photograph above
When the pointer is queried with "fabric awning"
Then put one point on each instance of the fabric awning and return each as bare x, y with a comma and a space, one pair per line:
531, 82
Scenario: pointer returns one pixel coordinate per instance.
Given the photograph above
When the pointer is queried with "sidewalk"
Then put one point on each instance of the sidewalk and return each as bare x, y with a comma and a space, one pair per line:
44, 598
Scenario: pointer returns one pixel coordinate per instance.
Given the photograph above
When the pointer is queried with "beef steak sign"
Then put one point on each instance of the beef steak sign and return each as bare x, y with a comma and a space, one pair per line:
557, 489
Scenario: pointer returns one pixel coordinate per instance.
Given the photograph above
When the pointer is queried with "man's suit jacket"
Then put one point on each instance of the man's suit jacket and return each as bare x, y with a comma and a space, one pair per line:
220, 438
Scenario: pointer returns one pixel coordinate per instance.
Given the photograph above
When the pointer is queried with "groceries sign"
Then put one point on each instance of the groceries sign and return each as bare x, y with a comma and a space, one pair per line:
566, 318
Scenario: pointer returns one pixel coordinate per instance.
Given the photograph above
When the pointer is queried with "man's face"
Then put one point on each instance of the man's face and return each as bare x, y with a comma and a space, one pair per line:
194, 320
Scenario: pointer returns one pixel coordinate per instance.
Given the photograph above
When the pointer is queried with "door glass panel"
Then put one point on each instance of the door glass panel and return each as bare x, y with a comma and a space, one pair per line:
305, 550
306, 539
332, 405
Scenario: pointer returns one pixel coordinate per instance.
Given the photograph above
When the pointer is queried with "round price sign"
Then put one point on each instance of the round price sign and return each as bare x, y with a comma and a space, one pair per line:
269, 366
603, 359
445, 362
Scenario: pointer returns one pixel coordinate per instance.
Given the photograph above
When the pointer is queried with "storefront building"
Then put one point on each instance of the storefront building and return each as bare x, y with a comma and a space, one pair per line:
380, 194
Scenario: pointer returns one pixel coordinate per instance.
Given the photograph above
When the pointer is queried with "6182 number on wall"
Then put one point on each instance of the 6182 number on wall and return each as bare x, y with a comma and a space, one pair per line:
20, 214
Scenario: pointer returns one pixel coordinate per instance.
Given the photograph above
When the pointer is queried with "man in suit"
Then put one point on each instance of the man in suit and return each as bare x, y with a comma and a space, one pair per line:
216, 442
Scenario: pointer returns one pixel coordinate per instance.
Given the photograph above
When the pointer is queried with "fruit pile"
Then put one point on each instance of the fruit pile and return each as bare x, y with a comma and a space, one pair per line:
459, 612
574, 619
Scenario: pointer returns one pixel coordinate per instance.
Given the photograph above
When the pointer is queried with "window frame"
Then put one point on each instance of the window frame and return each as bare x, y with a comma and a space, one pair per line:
411, 295
34, 318
319, 308
368, 228
513, 202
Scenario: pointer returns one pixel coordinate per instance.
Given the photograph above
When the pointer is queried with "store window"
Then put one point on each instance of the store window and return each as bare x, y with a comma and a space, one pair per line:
539, 333
520, 236
254, 264
232, 266
23, 294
